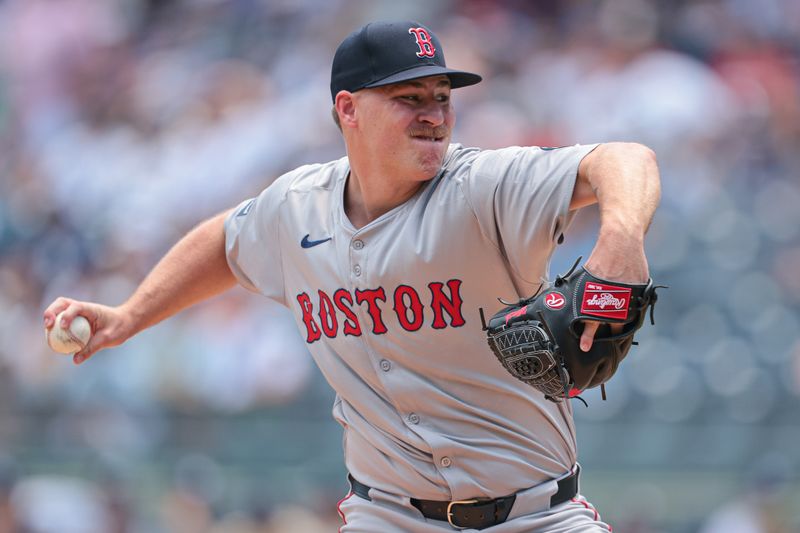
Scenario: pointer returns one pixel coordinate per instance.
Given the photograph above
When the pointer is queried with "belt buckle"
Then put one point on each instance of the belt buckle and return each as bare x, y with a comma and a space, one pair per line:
450, 511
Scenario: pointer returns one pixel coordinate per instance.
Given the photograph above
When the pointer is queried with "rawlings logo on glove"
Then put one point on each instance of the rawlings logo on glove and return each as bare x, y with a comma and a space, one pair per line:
538, 340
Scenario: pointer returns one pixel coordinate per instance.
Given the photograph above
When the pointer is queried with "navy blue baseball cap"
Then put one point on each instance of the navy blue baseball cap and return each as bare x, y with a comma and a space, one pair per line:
381, 53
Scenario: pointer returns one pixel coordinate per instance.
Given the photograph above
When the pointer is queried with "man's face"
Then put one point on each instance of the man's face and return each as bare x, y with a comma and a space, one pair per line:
407, 125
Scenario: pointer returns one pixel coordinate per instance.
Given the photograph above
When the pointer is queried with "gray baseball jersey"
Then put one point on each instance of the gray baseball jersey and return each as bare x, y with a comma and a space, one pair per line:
390, 314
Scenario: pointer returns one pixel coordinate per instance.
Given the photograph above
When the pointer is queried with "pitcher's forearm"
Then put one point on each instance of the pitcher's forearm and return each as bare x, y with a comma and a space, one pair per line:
625, 180
194, 269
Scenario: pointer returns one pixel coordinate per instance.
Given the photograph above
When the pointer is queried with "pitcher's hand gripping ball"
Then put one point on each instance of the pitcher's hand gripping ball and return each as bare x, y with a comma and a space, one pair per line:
538, 339
70, 340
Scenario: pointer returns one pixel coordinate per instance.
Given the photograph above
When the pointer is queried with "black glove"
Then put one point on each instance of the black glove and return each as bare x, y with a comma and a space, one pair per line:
538, 339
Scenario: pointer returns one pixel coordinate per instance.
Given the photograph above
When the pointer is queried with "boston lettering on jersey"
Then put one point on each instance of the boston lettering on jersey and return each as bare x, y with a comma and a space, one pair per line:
443, 300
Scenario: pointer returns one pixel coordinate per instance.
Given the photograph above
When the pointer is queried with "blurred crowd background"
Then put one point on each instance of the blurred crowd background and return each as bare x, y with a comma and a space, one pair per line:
125, 122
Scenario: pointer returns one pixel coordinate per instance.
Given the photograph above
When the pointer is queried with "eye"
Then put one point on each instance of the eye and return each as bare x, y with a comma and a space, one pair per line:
410, 97
443, 98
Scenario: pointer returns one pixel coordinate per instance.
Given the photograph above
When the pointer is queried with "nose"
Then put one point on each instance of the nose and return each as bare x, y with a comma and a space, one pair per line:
433, 114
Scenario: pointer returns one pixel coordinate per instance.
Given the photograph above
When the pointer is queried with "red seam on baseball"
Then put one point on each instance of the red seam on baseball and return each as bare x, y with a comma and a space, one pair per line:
69, 334
73, 338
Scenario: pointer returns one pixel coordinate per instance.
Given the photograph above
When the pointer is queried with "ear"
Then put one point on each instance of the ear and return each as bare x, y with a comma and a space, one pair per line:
346, 108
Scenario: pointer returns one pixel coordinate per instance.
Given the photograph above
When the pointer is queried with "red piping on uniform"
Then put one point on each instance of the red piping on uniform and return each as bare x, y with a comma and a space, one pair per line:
339, 510
596, 515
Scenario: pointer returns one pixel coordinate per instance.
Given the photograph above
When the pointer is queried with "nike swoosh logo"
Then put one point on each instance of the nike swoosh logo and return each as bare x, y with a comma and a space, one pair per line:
305, 243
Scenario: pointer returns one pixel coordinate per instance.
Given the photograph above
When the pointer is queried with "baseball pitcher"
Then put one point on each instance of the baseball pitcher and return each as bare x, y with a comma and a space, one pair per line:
386, 257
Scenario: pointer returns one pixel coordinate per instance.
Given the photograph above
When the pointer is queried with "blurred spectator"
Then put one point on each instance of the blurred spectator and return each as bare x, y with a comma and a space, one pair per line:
51, 504
762, 507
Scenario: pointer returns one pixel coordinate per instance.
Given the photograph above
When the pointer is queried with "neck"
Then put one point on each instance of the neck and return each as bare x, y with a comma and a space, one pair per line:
368, 196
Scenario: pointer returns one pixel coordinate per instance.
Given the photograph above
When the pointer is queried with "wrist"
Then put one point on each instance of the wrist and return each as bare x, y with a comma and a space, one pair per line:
131, 318
617, 255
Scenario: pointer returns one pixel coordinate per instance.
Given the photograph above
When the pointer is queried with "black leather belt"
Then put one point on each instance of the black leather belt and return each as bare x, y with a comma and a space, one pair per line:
477, 513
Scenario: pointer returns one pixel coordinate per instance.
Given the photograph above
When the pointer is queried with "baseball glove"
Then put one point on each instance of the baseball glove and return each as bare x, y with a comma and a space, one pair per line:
537, 339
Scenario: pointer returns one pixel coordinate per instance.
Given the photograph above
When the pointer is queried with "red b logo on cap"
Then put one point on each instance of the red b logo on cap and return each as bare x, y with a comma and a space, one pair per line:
426, 48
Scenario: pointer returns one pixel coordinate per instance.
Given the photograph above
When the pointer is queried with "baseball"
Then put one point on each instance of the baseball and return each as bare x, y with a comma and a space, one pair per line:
68, 340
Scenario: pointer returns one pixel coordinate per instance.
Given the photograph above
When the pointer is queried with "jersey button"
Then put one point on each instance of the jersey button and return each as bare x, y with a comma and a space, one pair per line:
385, 365
358, 245
357, 270
445, 462
413, 418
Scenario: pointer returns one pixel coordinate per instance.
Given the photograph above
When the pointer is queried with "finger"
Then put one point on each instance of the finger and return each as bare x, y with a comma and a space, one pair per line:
587, 337
95, 344
81, 357
58, 305
78, 308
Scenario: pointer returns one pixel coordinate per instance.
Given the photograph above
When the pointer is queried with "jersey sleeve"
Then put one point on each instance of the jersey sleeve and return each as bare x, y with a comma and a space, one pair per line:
521, 197
252, 244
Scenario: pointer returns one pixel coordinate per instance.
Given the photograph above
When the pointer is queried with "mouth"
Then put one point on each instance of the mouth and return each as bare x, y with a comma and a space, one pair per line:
430, 139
